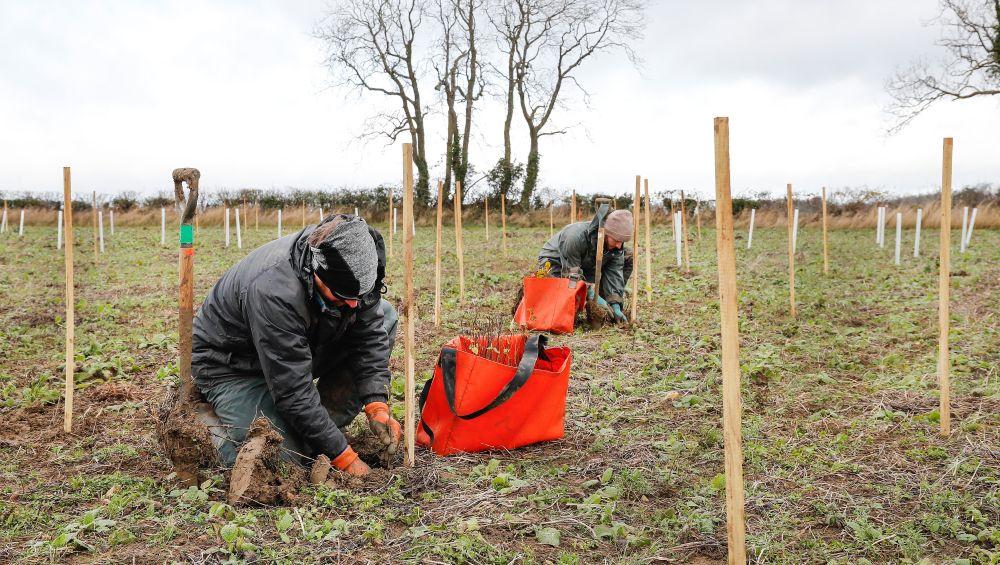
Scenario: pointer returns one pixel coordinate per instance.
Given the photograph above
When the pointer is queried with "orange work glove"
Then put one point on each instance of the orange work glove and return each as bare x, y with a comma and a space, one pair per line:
384, 426
349, 462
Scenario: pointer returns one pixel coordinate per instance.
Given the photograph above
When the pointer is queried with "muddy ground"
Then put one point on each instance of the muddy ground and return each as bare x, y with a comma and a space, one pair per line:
843, 459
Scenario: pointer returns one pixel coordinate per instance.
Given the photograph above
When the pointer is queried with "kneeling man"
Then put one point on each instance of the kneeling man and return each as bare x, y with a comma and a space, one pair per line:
305, 307
572, 253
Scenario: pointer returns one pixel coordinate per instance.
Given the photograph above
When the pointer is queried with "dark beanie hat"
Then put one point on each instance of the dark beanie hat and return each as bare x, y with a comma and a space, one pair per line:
345, 259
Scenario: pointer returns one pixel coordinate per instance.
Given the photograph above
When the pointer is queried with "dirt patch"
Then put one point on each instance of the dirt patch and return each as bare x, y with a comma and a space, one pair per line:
260, 476
186, 441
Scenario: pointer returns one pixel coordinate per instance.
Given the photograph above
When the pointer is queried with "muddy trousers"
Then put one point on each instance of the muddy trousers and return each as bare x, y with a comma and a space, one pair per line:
240, 400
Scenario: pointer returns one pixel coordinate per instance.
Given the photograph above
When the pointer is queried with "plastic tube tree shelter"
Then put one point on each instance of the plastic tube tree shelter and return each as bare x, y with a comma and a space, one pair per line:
791, 253
649, 247
437, 257
185, 300
97, 256
731, 401
684, 235
944, 290
826, 262
916, 235
70, 316
409, 420
636, 214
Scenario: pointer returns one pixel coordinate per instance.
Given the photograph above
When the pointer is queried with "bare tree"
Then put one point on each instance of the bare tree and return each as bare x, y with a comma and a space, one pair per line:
508, 21
460, 78
971, 38
556, 38
371, 48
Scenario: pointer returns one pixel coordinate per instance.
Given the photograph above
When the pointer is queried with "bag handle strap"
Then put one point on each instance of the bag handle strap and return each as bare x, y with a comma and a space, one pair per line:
533, 348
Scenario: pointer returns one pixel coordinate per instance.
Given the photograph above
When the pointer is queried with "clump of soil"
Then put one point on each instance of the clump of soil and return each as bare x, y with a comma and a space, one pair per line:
185, 439
598, 315
260, 476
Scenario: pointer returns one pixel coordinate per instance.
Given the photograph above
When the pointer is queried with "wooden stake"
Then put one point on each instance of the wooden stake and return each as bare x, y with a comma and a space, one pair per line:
185, 289
503, 221
256, 216
93, 207
599, 261
731, 402
684, 235
636, 214
697, 217
899, 234
791, 253
486, 203
826, 262
944, 291
552, 221
391, 219
303, 214
70, 316
437, 257
458, 242
163, 227
572, 209
409, 420
649, 248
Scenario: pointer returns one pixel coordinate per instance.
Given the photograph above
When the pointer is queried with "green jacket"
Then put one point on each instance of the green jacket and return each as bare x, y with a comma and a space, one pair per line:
574, 250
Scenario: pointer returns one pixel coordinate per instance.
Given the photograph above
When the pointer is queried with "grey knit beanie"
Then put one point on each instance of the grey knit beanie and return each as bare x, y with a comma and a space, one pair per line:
346, 259
618, 225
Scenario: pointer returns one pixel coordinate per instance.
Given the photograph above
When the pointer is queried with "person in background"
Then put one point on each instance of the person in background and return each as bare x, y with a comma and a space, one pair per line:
572, 253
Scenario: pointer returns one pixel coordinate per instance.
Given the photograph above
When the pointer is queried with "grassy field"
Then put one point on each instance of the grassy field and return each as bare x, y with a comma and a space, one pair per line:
843, 460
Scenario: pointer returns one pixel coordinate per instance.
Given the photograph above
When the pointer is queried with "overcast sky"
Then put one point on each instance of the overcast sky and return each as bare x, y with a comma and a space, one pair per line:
126, 91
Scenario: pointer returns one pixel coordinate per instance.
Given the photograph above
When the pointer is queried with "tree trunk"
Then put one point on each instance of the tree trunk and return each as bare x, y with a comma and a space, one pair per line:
531, 174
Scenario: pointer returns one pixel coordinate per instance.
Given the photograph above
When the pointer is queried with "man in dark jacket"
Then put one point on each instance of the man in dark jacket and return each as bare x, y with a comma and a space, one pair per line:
303, 307
572, 253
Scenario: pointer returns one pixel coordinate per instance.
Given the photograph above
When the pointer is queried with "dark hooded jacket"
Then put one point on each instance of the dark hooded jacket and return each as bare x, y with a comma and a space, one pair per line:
263, 319
574, 249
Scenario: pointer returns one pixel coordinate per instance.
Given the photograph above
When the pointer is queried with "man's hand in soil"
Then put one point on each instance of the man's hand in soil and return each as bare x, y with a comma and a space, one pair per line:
600, 301
384, 426
349, 462
619, 315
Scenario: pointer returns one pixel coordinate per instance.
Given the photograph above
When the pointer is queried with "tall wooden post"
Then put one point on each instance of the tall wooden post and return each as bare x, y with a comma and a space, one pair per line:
649, 247
731, 402
409, 421
599, 261
572, 208
826, 261
636, 215
70, 306
486, 216
391, 214
458, 242
552, 221
185, 311
944, 291
503, 221
684, 235
791, 253
697, 217
437, 257
97, 256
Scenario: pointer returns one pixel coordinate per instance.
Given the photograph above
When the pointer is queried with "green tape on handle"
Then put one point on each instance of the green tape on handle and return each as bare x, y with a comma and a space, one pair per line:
187, 234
